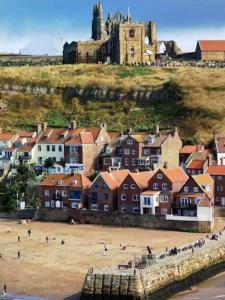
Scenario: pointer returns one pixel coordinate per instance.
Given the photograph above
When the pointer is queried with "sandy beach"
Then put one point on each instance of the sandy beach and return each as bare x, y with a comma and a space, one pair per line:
57, 271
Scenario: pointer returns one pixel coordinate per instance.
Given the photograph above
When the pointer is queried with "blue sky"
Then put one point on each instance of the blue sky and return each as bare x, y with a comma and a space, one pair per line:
42, 26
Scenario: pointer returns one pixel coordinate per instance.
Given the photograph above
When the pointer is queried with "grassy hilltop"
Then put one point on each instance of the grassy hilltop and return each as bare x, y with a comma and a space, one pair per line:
190, 98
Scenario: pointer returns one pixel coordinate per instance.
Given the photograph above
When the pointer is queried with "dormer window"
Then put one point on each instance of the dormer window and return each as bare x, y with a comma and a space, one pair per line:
60, 182
150, 140
130, 142
74, 182
159, 176
108, 150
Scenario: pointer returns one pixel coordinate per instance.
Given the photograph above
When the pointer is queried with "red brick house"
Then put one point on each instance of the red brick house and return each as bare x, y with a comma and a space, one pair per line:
64, 191
103, 190
198, 161
218, 175
185, 152
195, 198
162, 187
129, 191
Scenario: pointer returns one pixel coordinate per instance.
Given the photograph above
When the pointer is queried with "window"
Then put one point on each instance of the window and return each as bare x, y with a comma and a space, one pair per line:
52, 203
106, 196
127, 151
47, 204
164, 211
48, 148
196, 189
126, 162
133, 152
123, 209
60, 148
147, 201
158, 151
132, 52
75, 195
106, 207
186, 189
74, 205
133, 186
107, 161
39, 148
95, 53
53, 148
84, 53
134, 161
155, 186
57, 194
40, 160
159, 176
164, 198
164, 186
131, 33
217, 199
64, 193
46, 192
219, 177
135, 197
125, 186
221, 188
64, 205
146, 151
184, 202
94, 197
94, 207
123, 197
136, 210
130, 142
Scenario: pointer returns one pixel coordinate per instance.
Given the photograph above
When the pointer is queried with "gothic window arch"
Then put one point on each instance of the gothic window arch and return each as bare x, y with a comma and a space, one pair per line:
131, 33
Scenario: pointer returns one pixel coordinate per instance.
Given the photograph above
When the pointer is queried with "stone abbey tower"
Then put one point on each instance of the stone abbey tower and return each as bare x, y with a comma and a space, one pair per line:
118, 41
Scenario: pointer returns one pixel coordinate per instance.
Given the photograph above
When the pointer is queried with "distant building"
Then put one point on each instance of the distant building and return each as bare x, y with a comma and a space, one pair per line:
119, 40
210, 50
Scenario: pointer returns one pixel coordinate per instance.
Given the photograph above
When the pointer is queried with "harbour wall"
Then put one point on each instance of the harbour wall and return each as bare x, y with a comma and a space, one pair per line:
158, 282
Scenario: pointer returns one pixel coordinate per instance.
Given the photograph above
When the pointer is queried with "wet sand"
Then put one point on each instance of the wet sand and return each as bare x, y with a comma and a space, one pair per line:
213, 288
56, 271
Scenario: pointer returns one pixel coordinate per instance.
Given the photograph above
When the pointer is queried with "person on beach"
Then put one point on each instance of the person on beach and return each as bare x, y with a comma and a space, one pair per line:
18, 254
47, 239
1, 256
29, 232
62, 242
4, 290
18, 239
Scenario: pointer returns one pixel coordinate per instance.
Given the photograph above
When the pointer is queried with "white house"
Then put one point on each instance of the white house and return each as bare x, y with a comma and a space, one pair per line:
149, 200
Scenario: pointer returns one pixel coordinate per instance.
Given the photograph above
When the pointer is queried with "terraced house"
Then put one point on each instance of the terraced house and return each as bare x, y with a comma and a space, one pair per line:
218, 175
195, 199
103, 190
143, 151
64, 191
157, 199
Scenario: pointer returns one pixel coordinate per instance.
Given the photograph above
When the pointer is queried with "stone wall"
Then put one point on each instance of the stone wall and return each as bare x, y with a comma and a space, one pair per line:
29, 60
156, 282
25, 214
122, 220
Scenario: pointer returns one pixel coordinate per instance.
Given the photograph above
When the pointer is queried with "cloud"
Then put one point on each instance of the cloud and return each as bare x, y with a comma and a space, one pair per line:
187, 38
51, 41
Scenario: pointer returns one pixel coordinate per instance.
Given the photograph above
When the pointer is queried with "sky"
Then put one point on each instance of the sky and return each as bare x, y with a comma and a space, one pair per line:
43, 26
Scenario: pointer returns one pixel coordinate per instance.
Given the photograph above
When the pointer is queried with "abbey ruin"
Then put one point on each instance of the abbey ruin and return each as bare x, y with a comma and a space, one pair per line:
119, 40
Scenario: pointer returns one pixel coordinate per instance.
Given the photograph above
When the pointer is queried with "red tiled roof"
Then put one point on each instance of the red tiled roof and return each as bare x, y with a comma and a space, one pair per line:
25, 133
76, 180
188, 149
114, 178
212, 45
216, 170
196, 164
142, 178
6, 136
81, 139
175, 174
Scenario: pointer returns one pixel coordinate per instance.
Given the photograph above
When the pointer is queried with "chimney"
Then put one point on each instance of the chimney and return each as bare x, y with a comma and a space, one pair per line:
103, 125
157, 129
44, 126
39, 128
129, 131
73, 125
0, 130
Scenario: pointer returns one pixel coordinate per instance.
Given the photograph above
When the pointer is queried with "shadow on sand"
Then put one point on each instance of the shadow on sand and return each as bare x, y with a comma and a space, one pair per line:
73, 297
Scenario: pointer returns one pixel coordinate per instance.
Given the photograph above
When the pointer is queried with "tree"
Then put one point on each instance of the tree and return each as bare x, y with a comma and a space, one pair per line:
49, 162
9, 198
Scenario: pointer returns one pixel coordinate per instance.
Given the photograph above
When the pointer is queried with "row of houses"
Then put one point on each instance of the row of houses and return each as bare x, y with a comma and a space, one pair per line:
169, 192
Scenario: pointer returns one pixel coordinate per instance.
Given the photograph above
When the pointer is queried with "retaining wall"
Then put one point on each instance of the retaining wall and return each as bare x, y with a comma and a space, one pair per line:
122, 220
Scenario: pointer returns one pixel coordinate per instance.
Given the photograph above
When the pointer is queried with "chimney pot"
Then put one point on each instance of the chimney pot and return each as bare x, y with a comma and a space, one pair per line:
73, 125
44, 126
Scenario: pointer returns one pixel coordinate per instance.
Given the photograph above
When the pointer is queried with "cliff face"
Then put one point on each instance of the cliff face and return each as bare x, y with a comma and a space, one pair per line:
160, 281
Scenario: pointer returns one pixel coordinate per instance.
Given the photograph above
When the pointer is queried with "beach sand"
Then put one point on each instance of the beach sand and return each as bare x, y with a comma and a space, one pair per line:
57, 271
